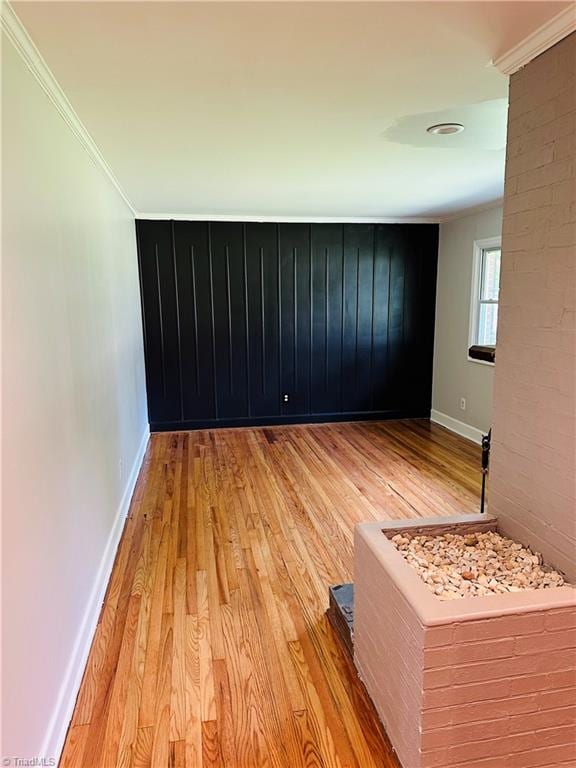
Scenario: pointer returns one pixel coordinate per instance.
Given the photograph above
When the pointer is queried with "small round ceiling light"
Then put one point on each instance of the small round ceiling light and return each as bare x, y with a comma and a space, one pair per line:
443, 129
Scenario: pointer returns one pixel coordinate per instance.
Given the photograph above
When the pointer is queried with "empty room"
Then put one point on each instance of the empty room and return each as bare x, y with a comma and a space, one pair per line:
288, 384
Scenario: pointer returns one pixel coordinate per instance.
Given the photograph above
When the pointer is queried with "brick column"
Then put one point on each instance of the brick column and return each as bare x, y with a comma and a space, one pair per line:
533, 472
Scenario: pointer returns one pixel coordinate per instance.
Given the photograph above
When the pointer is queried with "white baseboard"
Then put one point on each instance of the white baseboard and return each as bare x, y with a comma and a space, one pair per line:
60, 720
465, 430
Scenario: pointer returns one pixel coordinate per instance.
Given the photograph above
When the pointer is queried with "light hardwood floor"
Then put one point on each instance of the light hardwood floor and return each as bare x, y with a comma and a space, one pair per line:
212, 647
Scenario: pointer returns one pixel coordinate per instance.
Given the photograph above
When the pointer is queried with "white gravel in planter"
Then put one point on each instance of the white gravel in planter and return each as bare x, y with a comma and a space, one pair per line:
475, 564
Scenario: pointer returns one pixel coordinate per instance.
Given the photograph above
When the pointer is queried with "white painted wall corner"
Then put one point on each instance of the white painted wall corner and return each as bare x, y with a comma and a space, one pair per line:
66, 701
465, 430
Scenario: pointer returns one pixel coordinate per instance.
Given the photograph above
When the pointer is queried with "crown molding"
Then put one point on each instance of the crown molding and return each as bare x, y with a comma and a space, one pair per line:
550, 33
289, 219
498, 203
261, 219
22, 42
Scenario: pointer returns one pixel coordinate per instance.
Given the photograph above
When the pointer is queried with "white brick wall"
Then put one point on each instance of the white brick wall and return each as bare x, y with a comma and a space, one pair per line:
533, 470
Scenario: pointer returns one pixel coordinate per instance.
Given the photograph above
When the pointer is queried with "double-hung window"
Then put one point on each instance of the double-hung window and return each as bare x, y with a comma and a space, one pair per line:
485, 289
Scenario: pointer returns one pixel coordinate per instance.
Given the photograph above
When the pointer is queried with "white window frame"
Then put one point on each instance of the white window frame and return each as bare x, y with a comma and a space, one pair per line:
479, 247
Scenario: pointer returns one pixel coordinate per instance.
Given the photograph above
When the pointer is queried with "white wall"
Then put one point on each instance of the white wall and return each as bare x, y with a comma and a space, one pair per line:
74, 410
454, 375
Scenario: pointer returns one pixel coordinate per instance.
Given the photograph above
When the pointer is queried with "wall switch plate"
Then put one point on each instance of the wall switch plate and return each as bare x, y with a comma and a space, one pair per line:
462, 403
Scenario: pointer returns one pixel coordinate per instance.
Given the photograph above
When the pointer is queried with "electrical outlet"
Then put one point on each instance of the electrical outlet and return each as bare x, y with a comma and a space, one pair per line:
285, 397
462, 403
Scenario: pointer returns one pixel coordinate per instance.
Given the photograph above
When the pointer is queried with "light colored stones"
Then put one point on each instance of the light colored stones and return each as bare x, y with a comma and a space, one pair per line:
475, 564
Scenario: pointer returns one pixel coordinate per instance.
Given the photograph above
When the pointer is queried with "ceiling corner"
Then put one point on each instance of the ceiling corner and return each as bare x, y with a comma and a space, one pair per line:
550, 33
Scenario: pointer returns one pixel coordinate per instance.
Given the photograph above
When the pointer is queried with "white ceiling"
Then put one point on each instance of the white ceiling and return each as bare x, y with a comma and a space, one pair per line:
290, 109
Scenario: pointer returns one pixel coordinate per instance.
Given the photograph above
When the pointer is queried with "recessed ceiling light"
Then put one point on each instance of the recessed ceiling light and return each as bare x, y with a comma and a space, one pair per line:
444, 128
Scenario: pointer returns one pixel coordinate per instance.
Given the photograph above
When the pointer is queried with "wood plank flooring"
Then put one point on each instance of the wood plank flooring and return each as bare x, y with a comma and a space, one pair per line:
212, 647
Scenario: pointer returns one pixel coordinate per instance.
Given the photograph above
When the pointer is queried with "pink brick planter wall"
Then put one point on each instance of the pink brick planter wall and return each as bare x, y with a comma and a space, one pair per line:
481, 682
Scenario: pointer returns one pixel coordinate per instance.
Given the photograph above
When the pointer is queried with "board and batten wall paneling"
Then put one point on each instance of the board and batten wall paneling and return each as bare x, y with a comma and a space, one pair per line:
194, 303
263, 317
160, 321
227, 264
295, 348
264, 323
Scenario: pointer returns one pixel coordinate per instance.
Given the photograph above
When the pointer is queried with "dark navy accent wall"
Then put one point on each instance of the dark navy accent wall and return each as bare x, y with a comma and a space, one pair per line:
248, 323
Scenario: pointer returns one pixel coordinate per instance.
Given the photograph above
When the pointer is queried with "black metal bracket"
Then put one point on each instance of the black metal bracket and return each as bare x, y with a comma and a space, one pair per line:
486, 440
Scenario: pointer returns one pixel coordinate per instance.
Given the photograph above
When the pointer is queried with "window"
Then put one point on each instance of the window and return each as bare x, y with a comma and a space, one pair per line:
486, 284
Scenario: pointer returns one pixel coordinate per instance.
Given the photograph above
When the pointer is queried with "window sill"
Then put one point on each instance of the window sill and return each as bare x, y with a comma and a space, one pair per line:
480, 362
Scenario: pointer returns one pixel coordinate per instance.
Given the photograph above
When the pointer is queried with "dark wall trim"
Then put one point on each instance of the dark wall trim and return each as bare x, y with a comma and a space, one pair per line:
248, 323
323, 418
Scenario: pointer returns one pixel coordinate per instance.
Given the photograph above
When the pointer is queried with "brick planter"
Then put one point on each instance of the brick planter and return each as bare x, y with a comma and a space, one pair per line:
480, 682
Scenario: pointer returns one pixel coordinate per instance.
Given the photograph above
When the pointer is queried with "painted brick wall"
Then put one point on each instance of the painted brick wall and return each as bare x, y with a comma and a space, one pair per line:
472, 683
388, 651
533, 470
500, 692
